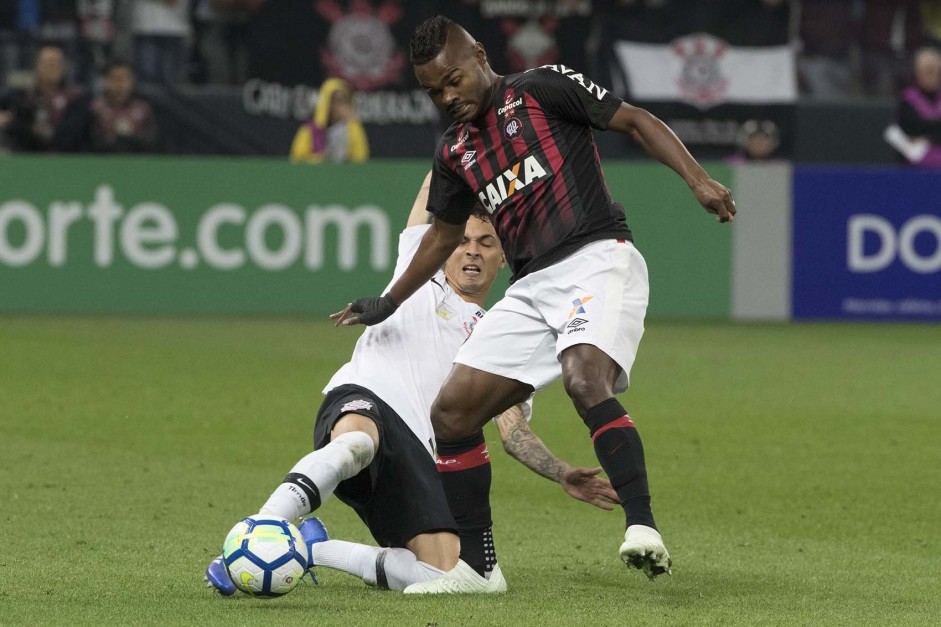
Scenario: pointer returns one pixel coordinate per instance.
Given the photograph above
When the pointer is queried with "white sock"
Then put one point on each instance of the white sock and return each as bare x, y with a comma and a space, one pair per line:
314, 478
400, 567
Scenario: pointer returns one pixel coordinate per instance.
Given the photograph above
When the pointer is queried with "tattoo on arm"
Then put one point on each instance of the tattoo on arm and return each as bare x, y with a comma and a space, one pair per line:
521, 443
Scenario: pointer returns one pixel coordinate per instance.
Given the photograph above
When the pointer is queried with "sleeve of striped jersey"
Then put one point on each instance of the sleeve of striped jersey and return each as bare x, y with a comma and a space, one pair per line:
573, 97
450, 199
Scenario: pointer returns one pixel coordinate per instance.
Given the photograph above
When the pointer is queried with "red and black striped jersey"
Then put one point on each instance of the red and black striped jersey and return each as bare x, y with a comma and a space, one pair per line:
532, 162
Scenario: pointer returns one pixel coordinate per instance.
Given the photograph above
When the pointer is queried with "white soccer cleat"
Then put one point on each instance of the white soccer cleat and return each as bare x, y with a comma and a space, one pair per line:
496, 583
462, 579
643, 549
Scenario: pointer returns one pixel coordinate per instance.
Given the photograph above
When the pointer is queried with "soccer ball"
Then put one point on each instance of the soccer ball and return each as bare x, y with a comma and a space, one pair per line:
265, 556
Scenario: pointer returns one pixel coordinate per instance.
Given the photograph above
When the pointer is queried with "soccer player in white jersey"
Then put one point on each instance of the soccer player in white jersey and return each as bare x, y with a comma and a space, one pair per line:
374, 441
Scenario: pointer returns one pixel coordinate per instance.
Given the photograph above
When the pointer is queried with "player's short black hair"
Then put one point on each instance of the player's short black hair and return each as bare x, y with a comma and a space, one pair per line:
428, 39
481, 213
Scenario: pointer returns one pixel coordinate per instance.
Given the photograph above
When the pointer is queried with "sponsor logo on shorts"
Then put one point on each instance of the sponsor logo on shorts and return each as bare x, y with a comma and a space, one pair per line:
578, 305
357, 405
575, 325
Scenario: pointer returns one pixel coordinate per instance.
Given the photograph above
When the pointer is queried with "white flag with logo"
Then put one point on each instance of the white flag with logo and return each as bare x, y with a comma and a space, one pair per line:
705, 71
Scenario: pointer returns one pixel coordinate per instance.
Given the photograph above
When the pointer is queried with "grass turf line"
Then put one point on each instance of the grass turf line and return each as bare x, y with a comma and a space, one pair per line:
793, 469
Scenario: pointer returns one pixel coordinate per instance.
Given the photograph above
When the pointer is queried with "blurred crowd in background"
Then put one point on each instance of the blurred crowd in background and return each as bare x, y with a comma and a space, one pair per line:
68, 68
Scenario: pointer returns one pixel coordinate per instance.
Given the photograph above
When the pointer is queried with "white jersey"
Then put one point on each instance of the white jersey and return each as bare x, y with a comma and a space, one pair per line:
406, 358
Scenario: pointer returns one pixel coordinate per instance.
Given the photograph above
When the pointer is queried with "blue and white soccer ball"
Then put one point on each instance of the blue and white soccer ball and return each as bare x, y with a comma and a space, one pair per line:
265, 556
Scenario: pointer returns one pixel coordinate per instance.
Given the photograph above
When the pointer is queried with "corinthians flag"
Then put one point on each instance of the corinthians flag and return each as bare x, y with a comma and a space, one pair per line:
705, 71
705, 89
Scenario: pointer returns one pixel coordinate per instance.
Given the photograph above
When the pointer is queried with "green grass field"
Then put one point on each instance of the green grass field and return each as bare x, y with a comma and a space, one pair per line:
795, 473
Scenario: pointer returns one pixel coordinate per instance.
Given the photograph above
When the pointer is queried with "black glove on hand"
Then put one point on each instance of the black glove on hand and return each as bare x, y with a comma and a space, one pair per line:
373, 309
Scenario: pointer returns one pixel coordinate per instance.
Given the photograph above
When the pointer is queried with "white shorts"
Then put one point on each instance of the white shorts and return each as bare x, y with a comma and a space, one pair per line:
597, 295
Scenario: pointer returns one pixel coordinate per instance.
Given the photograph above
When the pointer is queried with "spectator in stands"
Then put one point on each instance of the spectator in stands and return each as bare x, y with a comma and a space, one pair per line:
96, 36
760, 23
757, 141
335, 133
161, 31
11, 34
826, 33
916, 133
221, 39
121, 121
889, 32
50, 116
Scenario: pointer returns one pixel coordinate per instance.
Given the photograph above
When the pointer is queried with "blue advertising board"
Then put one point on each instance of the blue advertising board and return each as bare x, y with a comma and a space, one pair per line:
866, 244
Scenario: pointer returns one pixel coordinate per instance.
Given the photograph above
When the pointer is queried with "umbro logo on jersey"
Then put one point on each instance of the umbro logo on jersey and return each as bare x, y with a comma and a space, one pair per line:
357, 405
468, 159
510, 181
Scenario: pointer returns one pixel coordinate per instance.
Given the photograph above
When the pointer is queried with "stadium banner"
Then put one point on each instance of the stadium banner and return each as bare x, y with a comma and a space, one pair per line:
163, 236
704, 71
707, 90
866, 244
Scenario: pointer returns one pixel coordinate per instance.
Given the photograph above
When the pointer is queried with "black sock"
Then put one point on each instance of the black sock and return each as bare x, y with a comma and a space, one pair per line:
464, 468
621, 453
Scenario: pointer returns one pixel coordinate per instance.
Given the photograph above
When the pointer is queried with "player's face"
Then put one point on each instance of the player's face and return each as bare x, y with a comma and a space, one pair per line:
457, 81
473, 265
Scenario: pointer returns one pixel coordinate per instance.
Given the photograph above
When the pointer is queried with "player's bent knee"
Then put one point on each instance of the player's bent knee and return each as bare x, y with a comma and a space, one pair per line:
360, 450
448, 424
585, 391
355, 423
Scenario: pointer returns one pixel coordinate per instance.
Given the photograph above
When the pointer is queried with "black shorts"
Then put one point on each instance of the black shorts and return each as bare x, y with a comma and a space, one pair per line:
399, 495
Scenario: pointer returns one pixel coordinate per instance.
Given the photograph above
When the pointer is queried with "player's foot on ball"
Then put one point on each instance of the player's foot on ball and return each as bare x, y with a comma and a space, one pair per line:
313, 531
218, 577
462, 579
643, 549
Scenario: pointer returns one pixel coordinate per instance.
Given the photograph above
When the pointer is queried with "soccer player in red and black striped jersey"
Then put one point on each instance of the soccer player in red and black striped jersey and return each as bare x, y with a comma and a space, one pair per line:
522, 146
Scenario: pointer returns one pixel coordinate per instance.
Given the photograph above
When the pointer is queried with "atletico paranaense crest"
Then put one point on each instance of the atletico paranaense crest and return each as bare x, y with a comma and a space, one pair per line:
701, 81
361, 47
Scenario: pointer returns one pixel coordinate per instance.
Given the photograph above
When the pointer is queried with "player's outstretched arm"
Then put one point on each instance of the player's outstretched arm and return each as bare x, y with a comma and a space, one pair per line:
523, 445
662, 144
419, 214
436, 246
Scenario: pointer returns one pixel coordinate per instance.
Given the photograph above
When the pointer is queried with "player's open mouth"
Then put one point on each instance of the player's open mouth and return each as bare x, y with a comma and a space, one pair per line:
471, 269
